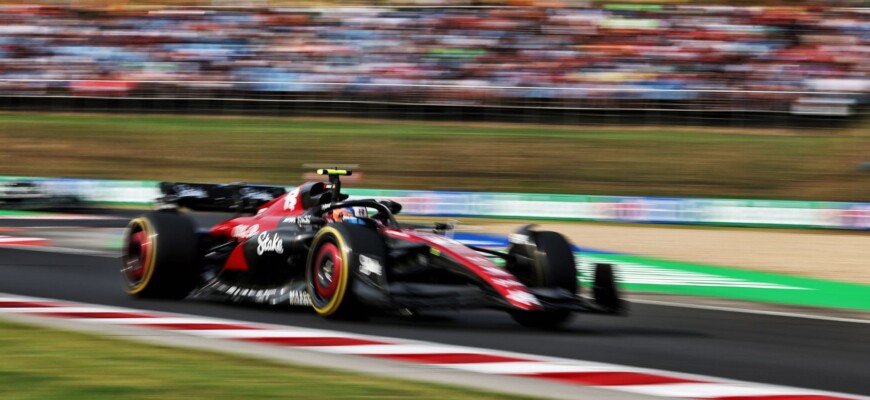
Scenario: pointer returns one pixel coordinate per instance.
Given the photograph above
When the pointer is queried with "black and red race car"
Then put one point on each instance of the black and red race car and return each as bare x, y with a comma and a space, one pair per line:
314, 247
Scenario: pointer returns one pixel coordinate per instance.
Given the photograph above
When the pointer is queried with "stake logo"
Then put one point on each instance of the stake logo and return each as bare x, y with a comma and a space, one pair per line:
272, 244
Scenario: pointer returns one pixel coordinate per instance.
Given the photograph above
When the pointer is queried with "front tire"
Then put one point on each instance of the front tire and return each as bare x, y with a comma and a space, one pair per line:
548, 262
332, 267
159, 256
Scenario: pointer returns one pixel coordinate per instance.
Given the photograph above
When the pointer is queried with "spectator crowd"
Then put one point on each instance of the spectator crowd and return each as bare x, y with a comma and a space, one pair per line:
617, 55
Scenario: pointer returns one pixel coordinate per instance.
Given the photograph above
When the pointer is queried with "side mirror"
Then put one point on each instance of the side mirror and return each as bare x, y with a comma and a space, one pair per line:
393, 206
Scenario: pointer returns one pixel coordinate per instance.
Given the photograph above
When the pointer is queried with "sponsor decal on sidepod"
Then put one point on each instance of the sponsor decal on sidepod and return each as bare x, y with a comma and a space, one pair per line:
368, 266
266, 243
245, 231
290, 199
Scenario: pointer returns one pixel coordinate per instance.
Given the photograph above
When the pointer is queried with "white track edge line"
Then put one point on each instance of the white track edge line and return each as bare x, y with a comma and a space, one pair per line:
713, 390
750, 311
63, 250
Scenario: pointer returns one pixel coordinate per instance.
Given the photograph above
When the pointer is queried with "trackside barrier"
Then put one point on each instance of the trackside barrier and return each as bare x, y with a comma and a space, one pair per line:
721, 212
99, 191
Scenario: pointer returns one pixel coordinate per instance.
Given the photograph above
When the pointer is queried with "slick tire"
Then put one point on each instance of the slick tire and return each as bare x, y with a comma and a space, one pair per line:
160, 257
550, 265
332, 267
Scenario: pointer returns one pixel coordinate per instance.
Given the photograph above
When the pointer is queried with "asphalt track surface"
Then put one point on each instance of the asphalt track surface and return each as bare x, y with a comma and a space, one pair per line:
800, 352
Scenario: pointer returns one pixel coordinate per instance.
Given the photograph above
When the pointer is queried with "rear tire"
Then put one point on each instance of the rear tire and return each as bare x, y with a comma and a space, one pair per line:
332, 267
550, 265
160, 257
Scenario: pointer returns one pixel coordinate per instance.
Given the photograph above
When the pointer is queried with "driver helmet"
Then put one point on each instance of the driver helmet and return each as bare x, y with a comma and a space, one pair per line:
348, 214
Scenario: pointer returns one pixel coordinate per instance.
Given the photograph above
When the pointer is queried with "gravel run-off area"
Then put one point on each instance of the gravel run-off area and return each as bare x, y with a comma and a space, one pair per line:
832, 255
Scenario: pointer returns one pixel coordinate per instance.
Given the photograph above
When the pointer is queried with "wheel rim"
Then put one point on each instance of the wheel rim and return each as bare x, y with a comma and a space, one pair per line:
327, 271
137, 252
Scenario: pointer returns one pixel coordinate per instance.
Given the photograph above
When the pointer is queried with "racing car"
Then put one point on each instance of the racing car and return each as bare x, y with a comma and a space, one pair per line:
29, 195
345, 258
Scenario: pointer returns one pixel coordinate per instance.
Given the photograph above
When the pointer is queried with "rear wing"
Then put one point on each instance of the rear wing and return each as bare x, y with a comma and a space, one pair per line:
233, 197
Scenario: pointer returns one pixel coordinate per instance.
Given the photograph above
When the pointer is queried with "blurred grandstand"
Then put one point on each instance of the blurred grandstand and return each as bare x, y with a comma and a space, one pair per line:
599, 59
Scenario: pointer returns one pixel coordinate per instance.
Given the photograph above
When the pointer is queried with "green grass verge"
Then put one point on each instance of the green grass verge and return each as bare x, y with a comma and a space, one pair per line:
16, 213
794, 291
41, 363
657, 161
